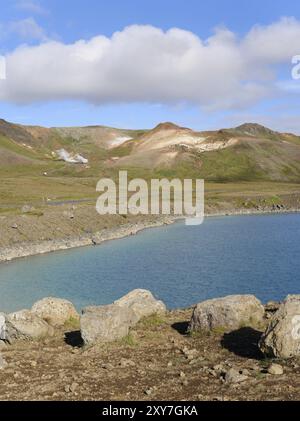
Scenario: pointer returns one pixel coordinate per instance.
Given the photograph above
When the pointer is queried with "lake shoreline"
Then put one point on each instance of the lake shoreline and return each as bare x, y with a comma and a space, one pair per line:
31, 248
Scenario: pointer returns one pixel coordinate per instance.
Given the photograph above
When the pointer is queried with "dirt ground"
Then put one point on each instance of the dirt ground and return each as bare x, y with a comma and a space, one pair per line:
157, 361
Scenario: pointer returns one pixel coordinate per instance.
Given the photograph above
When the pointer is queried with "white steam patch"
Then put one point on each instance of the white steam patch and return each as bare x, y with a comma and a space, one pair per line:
71, 158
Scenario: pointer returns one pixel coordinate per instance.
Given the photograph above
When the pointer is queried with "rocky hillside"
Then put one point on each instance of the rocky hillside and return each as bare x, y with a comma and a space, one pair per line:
247, 153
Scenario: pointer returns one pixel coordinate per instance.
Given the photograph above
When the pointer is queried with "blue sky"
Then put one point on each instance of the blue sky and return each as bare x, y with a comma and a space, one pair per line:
166, 76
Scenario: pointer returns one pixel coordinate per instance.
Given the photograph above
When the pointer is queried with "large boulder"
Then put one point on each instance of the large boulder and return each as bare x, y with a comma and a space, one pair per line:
142, 303
23, 325
55, 311
232, 312
105, 323
282, 336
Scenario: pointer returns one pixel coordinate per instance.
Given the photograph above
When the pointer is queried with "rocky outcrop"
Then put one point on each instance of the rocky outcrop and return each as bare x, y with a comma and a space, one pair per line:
55, 311
142, 303
282, 336
230, 312
23, 325
105, 323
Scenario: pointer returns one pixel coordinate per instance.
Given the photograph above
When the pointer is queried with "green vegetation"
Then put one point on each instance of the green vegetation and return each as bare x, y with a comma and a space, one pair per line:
153, 321
256, 172
129, 340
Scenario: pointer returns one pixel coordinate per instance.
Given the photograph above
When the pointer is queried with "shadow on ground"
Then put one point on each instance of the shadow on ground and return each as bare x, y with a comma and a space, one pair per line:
243, 342
74, 339
181, 327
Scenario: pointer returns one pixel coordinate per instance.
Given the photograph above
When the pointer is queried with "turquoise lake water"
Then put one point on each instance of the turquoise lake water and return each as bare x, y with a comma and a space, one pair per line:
181, 265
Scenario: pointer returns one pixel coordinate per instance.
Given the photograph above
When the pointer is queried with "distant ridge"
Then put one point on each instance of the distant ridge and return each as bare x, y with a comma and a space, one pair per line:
248, 152
254, 129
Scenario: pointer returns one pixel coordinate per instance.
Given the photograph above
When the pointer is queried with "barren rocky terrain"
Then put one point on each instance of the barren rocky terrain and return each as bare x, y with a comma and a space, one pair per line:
159, 360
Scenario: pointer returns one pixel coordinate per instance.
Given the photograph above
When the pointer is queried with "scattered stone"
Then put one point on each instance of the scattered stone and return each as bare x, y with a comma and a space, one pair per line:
190, 354
69, 214
3, 363
148, 392
233, 376
107, 366
275, 369
142, 303
219, 369
74, 386
67, 388
55, 311
14, 226
126, 363
230, 312
105, 323
282, 336
27, 209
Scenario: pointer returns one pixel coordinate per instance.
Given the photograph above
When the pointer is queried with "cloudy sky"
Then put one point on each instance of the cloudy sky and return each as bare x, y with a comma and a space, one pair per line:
135, 63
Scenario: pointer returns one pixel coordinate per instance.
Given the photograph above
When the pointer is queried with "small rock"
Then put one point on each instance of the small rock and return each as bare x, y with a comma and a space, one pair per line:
33, 364
190, 354
219, 368
170, 364
69, 214
182, 374
126, 363
233, 376
27, 209
107, 366
148, 392
73, 387
275, 370
3, 363
14, 226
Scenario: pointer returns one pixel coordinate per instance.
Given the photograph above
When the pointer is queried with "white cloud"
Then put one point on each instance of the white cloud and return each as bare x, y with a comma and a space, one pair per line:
146, 64
26, 30
31, 6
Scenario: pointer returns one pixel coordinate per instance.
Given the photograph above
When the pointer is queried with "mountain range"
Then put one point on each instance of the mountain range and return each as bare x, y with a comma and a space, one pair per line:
249, 152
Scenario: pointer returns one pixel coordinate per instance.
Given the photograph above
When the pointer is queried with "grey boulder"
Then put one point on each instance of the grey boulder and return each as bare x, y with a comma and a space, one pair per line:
55, 311
282, 336
232, 312
105, 323
142, 303
23, 325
